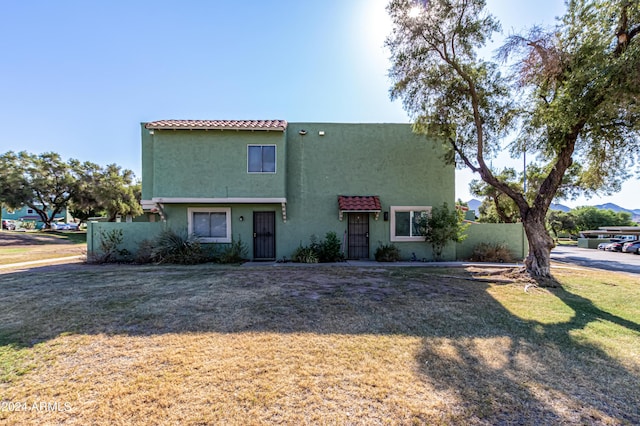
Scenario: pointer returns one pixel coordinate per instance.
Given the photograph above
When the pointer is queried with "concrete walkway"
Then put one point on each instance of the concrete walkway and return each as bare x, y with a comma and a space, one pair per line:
373, 263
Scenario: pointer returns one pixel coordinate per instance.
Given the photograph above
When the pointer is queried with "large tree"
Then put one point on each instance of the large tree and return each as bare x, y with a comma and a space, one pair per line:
43, 182
560, 221
118, 193
590, 218
574, 95
496, 207
111, 191
48, 184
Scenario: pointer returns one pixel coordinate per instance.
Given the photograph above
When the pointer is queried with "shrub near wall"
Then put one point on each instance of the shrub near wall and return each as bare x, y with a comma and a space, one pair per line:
510, 234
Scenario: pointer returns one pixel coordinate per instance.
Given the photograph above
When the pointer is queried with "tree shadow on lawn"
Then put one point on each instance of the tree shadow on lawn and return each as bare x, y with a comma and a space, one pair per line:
501, 369
545, 374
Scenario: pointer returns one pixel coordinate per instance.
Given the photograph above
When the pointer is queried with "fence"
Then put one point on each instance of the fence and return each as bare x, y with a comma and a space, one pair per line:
511, 234
133, 233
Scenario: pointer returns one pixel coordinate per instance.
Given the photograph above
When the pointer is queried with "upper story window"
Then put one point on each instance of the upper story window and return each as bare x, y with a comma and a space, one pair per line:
261, 158
408, 222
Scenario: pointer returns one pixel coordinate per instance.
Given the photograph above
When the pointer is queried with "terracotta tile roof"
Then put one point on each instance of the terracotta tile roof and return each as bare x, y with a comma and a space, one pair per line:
278, 125
370, 203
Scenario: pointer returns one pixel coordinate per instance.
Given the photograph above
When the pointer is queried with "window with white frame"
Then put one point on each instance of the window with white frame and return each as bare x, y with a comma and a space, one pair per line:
261, 158
408, 222
210, 225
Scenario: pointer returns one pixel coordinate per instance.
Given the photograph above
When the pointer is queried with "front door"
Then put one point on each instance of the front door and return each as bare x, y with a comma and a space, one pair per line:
358, 235
264, 235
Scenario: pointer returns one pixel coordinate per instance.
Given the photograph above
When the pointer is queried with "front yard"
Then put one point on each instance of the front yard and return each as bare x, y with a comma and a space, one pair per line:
207, 344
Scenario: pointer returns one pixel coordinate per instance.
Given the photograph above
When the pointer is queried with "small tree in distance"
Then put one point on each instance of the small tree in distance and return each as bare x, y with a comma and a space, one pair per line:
443, 226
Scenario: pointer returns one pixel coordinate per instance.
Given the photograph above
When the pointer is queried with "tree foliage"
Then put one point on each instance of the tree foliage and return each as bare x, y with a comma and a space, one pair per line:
111, 191
443, 226
43, 182
496, 207
573, 96
561, 222
591, 218
47, 184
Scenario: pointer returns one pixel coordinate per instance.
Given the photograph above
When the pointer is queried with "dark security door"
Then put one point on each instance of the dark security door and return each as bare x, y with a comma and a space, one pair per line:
358, 234
264, 235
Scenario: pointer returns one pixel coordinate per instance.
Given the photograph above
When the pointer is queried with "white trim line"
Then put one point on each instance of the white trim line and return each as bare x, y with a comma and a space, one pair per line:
229, 200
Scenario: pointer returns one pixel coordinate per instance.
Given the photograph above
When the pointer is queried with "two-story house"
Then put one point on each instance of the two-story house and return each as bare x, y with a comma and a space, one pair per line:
273, 184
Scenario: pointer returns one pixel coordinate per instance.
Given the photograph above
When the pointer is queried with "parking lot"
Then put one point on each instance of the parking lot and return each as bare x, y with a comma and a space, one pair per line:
611, 261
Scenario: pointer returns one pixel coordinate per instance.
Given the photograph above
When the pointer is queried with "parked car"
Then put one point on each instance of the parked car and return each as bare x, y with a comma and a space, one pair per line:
605, 246
631, 247
8, 224
61, 226
617, 246
55, 226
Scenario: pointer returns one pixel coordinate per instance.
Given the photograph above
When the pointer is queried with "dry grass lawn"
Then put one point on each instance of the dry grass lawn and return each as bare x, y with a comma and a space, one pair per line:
16, 247
207, 344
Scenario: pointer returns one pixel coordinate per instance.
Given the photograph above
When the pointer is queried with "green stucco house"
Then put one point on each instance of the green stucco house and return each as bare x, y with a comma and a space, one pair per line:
273, 184
26, 214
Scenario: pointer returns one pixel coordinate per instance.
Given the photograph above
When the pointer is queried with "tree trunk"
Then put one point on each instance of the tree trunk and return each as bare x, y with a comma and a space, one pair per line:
538, 261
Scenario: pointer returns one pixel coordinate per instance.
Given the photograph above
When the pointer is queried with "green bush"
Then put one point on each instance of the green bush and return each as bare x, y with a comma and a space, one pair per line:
144, 252
29, 225
387, 253
236, 252
491, 252
173, 247
327, 250
304, 255
110, 250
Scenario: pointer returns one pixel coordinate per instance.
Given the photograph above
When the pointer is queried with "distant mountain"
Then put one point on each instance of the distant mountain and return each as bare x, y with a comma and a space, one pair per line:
610, 206
475, 206
635, 214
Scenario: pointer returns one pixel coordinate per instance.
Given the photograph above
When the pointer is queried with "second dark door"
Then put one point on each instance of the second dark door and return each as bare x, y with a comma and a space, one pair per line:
358, 235
264, 235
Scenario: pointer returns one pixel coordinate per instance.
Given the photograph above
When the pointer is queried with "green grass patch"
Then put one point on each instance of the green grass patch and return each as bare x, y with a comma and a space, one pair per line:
12, 250
14, 362
73, 237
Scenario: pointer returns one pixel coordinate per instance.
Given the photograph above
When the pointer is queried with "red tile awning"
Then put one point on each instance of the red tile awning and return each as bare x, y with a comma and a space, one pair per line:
277, 125
359, 203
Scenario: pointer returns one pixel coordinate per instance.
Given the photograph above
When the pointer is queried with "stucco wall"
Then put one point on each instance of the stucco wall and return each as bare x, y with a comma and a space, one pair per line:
511, 234
133, 234
592, 242
388, 160
210, 164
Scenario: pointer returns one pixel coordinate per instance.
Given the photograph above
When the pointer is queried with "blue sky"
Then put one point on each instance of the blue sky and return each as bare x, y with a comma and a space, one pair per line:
78, 77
